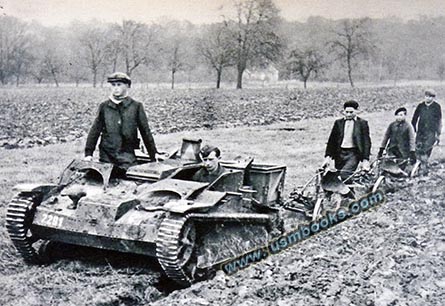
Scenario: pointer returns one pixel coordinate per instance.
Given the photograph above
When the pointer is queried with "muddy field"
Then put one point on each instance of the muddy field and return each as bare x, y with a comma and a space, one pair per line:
390, 255
42, 116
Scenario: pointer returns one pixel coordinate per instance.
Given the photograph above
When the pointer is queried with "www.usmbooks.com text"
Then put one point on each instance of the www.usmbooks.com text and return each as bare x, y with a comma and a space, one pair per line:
304, 231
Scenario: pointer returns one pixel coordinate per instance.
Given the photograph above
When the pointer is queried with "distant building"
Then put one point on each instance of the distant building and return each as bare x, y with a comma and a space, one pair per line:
268, 74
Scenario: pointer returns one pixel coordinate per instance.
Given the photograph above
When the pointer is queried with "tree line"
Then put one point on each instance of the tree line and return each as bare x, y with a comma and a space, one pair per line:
254, 36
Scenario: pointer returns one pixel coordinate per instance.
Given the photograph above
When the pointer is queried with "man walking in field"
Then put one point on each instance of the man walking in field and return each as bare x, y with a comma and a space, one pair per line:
117, 122
427, 121
349, 142
400, 135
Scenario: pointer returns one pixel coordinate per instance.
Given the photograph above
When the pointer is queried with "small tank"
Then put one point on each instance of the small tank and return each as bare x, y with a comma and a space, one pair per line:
155, 209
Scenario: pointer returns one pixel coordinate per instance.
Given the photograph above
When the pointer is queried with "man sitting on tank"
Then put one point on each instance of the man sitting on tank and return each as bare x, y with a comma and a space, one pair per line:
212, 169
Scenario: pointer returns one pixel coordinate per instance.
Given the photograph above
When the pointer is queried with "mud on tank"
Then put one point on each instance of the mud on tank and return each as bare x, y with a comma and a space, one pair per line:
155, 210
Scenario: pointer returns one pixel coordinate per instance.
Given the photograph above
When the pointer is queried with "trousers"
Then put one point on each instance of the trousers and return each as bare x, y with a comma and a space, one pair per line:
347, 162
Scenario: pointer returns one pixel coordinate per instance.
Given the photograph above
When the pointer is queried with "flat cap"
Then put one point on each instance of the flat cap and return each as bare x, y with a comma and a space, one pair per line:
430, 93
351, 103
119, 77
400, 109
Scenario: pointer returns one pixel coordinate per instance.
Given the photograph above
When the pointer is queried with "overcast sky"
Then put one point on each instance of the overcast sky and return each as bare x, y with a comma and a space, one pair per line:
61, 12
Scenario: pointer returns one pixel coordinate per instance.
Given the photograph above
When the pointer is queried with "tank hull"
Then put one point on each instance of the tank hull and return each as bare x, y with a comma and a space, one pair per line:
155, 209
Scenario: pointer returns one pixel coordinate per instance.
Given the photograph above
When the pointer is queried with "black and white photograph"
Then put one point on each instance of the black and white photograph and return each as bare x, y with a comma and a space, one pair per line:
222, 152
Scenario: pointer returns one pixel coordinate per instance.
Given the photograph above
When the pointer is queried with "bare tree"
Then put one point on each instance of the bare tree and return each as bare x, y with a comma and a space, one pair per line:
21, 61
395, 63
175, 62
14, 48
254, 31
50, 52
134, 43
114, 49
76, 69
217, 48
305, 63
353, 39
53, 67
176, 47
94, 44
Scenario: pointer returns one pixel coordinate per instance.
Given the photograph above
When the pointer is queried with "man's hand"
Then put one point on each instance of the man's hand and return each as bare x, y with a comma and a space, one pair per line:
365, 165
88, 158
160, 156
327, 162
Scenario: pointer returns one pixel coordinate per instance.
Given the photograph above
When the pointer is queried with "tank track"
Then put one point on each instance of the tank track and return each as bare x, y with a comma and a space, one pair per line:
168, 249
18, 219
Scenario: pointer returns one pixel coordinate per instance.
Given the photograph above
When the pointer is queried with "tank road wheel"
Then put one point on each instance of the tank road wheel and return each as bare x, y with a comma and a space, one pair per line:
175, 248
19, 216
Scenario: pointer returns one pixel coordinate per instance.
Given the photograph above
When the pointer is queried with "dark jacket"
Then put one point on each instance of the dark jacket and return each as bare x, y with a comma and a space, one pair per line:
202, 175
360, 136
427, 119
401, 138
117, 124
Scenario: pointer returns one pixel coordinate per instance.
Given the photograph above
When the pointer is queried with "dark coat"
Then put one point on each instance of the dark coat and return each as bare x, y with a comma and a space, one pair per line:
360, 136
427, 119
202, 175
401, 138
117, 124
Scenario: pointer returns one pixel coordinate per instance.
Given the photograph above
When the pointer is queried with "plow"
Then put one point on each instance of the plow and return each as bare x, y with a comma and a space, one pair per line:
327, 191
